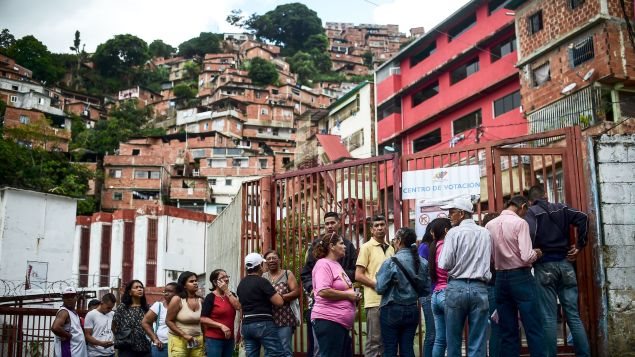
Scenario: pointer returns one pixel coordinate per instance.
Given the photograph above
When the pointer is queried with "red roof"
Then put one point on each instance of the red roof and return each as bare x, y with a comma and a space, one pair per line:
333, 147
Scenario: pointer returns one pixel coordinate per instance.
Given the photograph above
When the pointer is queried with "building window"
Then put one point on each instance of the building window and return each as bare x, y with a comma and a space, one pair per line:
228, 182
535, 22
215, 163
581, 52
275, 132
136, 152
145, 195
463, 26
507, 103
114, 173
495, 5
393, 106
262, 163
470, 121
144, 175
425, 93
503, 49
430, 139
264, 111
24, 119
354, 141
117, 196
40, 101
423, 54
286, 161
212, 181
464, 71
13, 87
14, 99
575, 3
240, 162
541, 74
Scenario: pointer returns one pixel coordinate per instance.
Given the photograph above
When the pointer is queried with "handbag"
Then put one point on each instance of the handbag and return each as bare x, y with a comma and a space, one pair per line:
123, 338
416, 284
295, 308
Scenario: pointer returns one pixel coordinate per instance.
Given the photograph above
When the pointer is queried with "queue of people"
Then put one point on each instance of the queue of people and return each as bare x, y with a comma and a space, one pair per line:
513, 269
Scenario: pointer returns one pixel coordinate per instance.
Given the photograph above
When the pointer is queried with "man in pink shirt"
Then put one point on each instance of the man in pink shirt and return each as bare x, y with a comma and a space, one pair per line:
516, 292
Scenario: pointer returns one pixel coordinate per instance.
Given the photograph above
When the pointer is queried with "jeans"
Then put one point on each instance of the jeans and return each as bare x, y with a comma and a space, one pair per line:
160, 352
285, 334
219, 348
333, 339
516, 292
398, 327
466, 300
558, 280
374, 347
261, 333
494, 328
312, 349
438, 310
428, 342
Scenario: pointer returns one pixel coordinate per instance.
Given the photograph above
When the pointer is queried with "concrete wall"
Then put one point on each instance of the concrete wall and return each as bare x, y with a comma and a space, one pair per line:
616, 178
223, 241
36, 227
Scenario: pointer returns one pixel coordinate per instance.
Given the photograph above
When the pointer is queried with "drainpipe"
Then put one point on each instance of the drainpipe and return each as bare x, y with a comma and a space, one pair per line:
600, 274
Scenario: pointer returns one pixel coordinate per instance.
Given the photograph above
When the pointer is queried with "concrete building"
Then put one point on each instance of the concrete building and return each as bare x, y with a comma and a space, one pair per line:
36, 240
11, 70
152, 244
454, 85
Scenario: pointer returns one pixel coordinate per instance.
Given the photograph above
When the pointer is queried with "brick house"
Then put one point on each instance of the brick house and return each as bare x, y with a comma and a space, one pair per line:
11, 70
143, 96
576, 61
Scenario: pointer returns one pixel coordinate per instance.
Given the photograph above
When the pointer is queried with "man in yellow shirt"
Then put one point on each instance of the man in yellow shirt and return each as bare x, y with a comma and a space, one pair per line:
371, 256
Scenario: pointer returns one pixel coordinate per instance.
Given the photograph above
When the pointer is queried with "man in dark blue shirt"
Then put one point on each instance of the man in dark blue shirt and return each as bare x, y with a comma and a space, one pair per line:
549, 225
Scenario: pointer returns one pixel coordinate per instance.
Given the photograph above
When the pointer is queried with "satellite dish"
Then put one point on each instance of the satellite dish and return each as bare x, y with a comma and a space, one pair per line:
589, 74
568, 88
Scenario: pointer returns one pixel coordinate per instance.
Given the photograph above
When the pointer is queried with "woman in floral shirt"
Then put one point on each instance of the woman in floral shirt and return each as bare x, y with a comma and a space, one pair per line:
130, 339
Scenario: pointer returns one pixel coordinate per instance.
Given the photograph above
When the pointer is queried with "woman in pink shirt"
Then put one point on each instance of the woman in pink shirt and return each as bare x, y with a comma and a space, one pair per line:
438, 228
334, 309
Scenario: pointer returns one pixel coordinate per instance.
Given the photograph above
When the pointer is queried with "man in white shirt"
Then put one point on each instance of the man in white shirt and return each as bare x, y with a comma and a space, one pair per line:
466, 256
97, 328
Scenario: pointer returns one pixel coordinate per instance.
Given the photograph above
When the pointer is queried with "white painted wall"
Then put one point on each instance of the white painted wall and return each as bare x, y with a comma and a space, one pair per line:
363, 119
36, 227
181, 246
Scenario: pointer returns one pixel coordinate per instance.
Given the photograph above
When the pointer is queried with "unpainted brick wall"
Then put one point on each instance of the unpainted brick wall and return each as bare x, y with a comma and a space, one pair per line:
616, 177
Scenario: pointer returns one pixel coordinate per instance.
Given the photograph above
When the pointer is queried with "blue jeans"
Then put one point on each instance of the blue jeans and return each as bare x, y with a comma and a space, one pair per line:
160, 353
494, 328
219, 348
333, 339
438, 310
285, 334
557, 279
516, 292
428, 342
261, 333
398, 327
466, 300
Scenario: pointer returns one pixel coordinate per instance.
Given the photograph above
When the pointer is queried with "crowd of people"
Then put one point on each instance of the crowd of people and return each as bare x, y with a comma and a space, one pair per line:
516, 267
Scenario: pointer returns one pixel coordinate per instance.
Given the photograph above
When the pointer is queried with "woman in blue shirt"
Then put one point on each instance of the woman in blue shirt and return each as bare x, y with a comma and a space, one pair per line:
401, 281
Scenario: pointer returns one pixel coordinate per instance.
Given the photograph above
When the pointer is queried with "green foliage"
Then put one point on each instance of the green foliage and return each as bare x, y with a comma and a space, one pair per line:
152, 79
293, 25
303, 65
3, 108
40, 170
6, 40
192, 70
184, 91
158, 48
86, 206
118, 56
368, 59
206, 42
34, 55
124, 122
262, 72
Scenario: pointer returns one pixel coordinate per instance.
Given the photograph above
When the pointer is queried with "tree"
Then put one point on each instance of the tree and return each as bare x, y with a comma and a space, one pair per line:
120, 55
368, 59
302, 64
80, 57
206, 42
292, 25
192, 70
262, 72
34, 55
6, 40
184, 91
158, 48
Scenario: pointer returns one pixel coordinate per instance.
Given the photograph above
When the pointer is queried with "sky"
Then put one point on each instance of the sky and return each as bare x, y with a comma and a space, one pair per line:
54, 22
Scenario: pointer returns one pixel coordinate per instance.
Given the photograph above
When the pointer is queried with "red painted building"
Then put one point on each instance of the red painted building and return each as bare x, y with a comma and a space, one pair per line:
455, 85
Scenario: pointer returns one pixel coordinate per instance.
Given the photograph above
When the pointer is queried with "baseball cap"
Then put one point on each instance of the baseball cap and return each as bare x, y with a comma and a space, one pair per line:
253, 260
464, 204
69, 290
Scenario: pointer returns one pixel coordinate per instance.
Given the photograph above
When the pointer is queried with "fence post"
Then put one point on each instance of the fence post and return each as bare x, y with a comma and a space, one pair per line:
265, 216
396, 193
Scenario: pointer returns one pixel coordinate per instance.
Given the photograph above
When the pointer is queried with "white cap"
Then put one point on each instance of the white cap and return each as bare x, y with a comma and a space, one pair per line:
69, 290
464, 204
253, 260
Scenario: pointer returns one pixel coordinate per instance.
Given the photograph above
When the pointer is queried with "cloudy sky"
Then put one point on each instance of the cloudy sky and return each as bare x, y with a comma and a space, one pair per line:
54, 22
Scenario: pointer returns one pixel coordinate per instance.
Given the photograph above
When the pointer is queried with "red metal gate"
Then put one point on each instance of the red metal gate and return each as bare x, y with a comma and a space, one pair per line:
285, 211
